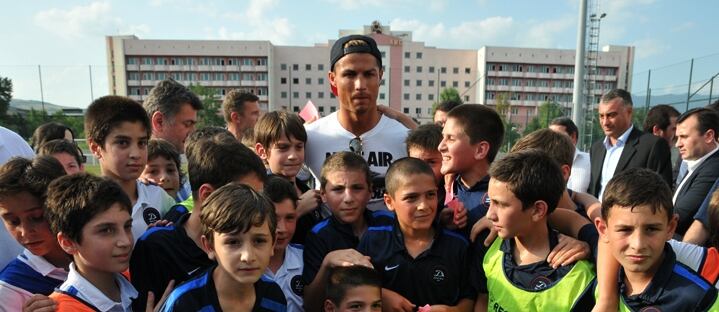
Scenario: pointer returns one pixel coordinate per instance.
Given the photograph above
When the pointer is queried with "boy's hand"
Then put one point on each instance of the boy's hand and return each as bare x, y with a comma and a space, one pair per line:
160, 223
568, 251
602, 306
394, 302
151, 298
39, 303
454, 216
308, 201
481, 225
346, 257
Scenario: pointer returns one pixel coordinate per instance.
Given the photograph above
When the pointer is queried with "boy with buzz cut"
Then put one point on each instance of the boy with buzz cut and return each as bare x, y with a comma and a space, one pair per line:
286, 264
420, 263
238, 233
471, 138
637, 221
353, 288
280, 139
513, 273
117, 131
346, 189
42, 265
91, 218
175, 252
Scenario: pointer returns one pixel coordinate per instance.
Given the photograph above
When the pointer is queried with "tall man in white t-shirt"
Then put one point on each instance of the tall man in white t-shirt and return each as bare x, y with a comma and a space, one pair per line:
354, 76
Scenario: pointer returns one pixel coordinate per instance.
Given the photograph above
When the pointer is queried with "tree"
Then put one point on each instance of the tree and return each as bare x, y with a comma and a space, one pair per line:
210, 115
447, 94
503, 108
547, 112
5, 95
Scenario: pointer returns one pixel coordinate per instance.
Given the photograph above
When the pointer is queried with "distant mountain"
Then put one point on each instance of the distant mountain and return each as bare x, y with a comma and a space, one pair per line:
26, 105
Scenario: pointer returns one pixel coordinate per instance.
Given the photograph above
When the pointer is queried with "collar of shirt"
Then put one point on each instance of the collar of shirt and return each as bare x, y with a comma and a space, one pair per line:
654, 290
346, 229
481, 185
693, 164
292, 262
620, 141
42, 266
88, 292
508, 245
398, 241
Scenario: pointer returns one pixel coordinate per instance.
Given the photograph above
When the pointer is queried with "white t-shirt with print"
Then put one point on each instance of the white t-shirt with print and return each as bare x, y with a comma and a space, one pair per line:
152, 203
381, 145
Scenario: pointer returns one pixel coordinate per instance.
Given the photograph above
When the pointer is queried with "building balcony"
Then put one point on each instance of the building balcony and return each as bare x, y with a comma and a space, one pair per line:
202, 67
133, 67
232, 68
136, 97
261, 83
133, 83
247, 68
147, 67
247, 83
263, 97
233, 83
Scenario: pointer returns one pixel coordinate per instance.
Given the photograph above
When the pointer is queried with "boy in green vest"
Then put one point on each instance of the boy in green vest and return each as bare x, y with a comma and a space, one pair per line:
513, 273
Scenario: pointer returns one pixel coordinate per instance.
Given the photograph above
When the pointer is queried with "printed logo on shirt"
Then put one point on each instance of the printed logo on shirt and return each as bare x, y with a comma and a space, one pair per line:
150, 214
540, 282
297, 286
390, 268
485, 200
439, 274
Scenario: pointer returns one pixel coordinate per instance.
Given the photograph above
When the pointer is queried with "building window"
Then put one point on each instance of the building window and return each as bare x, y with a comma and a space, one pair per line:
381, 82
320, 67
204, 76
133, 76
406, 96
248, 77
418, 96
406, 55
455, 84
262, 62
220, 76
295, 80
131, 61
406, 110
384, 54
443, 83
247, 62
406, 69
333, 108
443, 70
419, 83
321, 109
516, 82
320, 95
430, 97
419, 55
296, 109
262, 76
418, 110
308, 81
283, 66
430, 83
236, 77
467, 70
455, 70
147, 61
419, 69
381, 96
406, 82
295, 67
431, 69
466, 84
515, 111
283, 94
295, 95
320, 81
466, 98
308, 66
308, 95
503, 82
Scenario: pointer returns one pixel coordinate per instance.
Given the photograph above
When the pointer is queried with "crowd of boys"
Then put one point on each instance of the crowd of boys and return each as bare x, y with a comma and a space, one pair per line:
453, 227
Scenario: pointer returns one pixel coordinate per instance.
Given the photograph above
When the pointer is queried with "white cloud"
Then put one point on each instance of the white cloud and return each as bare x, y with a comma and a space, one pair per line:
256, 24
437, 5
361, 4
94, 19
683, 27
648, 47
546, 34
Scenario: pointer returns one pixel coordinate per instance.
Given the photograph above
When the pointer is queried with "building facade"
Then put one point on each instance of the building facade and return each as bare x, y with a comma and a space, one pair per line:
287, 77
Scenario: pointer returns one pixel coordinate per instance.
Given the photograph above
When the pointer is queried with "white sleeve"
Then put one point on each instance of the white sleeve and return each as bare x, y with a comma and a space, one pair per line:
12, 297
689, 254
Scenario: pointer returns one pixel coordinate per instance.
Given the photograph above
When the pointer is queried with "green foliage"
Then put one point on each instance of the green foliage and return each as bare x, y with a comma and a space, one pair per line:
511, 135
5, 95
447, 94
547, 112
26, 125
211, 115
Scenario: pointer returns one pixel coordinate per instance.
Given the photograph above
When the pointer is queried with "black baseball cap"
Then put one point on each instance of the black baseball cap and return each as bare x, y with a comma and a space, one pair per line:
338, 49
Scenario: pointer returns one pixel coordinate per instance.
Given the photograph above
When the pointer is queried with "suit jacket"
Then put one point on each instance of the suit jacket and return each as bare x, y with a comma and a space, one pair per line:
694, 190
642, 150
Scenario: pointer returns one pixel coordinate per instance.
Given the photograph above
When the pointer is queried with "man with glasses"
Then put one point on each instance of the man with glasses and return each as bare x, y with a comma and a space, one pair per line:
358, 126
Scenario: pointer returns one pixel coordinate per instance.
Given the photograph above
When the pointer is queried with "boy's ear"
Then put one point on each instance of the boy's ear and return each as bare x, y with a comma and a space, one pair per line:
602, 229
261, 151
157, 120
566, 171
481, 150
540, 211
94, 148
388, 201
207, 247
672, 226
329, 306
67, 244
205, 190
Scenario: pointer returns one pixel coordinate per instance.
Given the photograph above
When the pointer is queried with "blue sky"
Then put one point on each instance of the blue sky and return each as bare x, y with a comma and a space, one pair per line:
67, 36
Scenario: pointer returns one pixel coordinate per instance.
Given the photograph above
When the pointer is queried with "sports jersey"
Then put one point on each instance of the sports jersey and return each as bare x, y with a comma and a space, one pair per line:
26, 275
381, 145
289, 277
306, 222
78, 294
475, 200
435, 276
199, 294
330, 235
163, 254
702, 260
152, 203
674, 287
530, 287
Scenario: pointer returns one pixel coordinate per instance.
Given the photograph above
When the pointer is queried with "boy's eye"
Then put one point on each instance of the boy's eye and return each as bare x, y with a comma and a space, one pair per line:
143, 142
13, 221
260, 241
232, 242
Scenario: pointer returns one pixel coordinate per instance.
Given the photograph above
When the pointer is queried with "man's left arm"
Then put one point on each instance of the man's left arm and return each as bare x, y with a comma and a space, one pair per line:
660, 160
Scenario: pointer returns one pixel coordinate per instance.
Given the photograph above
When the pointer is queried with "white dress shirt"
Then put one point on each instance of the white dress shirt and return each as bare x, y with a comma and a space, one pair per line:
611, 158
581, 172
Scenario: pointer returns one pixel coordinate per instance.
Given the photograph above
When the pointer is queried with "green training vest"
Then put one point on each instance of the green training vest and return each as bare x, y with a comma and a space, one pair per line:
505, 296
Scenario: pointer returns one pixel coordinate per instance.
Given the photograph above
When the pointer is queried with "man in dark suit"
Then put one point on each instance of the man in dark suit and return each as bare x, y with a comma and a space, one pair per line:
624, 146
696, 141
